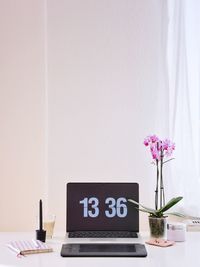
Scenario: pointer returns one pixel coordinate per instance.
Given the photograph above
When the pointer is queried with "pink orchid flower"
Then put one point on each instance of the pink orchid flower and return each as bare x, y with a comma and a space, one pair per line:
159, 148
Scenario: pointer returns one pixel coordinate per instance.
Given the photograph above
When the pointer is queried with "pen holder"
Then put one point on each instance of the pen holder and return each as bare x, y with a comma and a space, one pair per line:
41, 235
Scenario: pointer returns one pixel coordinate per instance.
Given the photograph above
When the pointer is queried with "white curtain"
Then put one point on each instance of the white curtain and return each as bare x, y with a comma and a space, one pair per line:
183, 62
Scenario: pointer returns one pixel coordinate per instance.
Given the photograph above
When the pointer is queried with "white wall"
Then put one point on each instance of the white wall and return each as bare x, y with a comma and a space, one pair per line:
101, 63
105, 66
21, 112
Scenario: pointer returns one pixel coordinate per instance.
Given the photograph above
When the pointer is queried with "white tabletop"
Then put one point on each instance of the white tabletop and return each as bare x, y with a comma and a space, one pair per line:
182, 254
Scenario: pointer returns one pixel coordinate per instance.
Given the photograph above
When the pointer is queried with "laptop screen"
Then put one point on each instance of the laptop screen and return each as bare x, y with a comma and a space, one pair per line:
102, 207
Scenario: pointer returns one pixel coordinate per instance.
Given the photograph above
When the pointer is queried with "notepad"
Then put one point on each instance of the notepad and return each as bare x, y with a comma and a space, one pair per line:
160, 242
24, 247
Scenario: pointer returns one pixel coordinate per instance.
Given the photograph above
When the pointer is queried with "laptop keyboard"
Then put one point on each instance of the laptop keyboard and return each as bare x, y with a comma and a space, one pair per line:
102, 234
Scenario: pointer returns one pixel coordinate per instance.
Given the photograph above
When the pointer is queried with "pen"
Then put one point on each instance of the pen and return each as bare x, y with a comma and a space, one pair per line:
40, 233
40, 209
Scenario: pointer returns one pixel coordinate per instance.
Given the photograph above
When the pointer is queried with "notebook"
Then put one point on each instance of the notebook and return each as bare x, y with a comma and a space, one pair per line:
96, 210
24, 247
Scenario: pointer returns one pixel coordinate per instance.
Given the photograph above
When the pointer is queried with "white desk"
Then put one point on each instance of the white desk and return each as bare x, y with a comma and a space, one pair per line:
182, 254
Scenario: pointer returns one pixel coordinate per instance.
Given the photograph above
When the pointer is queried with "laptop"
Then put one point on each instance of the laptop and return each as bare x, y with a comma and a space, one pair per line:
101, 210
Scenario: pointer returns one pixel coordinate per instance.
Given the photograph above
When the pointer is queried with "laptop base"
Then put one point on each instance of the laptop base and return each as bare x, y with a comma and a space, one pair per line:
102, 234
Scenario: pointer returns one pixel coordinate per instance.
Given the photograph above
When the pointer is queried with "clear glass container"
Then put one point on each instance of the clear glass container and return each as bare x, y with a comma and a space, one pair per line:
158, 227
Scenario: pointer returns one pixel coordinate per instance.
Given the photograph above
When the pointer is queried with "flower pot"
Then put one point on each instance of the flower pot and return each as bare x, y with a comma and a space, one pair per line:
158, 227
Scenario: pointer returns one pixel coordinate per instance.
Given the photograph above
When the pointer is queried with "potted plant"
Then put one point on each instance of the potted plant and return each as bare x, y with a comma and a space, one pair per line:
161, 152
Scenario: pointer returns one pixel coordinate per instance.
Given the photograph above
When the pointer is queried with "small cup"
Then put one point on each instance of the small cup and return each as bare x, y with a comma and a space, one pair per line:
176, 232
48, 225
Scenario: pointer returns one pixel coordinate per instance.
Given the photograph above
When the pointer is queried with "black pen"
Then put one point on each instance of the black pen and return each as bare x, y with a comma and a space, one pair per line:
40, 234
40, 217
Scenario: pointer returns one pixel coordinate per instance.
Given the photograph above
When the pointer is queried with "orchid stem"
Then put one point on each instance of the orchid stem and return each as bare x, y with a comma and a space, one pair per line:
156, 191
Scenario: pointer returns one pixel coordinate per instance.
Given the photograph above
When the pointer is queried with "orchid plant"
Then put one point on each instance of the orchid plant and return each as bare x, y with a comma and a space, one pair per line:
160, 149
161, 152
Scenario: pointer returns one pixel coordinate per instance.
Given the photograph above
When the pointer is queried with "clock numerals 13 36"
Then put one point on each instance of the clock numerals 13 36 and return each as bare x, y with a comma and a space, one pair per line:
116, 207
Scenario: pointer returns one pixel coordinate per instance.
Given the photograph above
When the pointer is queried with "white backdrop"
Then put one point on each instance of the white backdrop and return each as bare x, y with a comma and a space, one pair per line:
105, 79
22, 113
82, 83
184, 91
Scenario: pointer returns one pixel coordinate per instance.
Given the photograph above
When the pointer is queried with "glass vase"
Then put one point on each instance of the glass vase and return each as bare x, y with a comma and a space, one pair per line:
158, 227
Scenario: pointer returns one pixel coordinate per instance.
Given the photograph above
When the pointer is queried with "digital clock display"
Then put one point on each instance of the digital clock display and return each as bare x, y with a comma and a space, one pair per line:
102, 206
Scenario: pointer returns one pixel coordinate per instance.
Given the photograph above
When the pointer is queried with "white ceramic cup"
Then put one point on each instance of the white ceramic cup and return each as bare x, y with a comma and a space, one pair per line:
176, 232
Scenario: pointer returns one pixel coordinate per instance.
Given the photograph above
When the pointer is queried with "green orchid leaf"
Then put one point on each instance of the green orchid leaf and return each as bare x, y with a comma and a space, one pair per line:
178, 214
170, 204
149, 210
185, 216
160, 212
